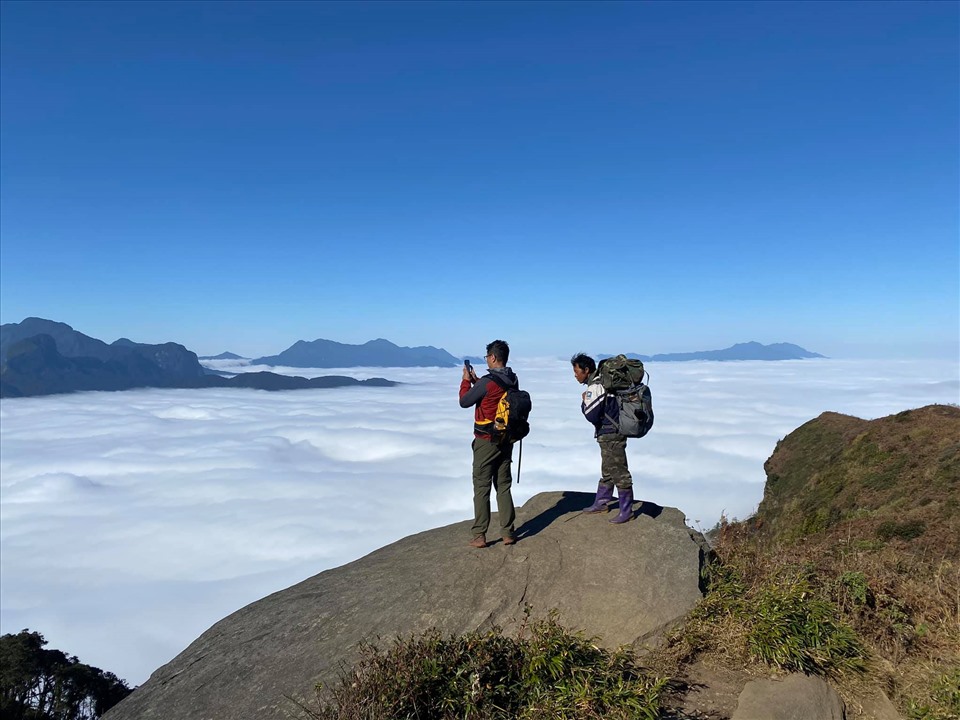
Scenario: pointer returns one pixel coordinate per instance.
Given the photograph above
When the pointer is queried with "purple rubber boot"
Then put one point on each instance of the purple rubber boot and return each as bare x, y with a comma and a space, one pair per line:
626, 506
604, 495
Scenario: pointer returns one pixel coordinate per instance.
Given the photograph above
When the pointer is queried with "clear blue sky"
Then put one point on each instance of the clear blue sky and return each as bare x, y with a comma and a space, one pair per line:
649, 177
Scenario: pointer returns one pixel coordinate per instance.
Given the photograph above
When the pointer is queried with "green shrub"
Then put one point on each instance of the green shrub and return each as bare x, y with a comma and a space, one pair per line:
905, 530
854, 590
779, 621
545, 671
796, 631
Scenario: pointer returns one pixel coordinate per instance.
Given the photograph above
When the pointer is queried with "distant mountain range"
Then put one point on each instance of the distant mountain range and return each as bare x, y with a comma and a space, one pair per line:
42, 357
376, 353
740, 351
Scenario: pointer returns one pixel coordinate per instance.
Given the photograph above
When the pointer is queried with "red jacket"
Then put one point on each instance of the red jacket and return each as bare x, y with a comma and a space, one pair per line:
485, 396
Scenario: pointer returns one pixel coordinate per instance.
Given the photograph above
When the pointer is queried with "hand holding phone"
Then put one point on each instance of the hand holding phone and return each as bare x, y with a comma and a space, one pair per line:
468, 373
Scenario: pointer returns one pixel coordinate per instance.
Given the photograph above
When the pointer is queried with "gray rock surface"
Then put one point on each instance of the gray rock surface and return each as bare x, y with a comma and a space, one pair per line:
795, 697
875, 706
620, 583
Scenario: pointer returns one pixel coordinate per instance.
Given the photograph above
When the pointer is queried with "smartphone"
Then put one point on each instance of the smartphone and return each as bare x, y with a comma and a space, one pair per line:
468, 366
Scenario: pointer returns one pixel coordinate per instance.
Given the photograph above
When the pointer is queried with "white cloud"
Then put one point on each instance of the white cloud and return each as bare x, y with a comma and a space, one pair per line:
130, 522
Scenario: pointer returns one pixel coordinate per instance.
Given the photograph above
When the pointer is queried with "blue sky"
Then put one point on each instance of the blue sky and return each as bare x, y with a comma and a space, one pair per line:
646, 177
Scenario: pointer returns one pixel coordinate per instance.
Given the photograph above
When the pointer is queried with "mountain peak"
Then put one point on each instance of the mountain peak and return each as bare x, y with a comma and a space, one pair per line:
375, 353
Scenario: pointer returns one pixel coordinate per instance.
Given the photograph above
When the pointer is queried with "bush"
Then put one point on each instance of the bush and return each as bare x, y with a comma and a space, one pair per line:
545, 671
778, 620
795, 631
905, 530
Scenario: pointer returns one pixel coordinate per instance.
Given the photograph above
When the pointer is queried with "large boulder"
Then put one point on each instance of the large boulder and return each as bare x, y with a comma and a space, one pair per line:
795, 697
624, 584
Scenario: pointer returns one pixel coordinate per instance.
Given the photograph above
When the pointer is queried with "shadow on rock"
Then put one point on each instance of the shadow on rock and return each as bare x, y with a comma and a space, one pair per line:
649, 509
569, 502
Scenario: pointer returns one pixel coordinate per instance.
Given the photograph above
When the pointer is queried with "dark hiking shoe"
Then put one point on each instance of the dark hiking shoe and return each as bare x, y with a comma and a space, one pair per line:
480, 541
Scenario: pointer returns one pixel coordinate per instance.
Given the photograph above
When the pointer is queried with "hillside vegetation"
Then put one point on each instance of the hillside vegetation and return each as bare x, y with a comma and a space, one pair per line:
851, 567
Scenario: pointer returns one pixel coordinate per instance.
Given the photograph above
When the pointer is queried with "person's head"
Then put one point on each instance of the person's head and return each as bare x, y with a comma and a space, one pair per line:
583, 367
498, 352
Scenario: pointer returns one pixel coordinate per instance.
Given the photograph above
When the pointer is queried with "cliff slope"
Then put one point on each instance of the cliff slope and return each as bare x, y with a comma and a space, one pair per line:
624, 584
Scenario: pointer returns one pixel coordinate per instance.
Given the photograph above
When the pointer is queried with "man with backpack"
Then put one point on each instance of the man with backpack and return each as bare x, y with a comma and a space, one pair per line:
492, 447
602, 409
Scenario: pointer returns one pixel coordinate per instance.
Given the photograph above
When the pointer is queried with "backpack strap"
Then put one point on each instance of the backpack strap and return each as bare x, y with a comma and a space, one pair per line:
488, 427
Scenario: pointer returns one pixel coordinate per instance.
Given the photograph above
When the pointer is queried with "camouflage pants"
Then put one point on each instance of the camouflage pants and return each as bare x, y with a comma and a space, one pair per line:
613, 461
491, 466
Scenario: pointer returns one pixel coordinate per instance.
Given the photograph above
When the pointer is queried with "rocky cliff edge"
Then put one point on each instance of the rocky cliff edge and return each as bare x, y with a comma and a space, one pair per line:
623, 584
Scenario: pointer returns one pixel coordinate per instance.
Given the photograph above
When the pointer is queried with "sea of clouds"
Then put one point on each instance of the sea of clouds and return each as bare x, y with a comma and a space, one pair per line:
130, 522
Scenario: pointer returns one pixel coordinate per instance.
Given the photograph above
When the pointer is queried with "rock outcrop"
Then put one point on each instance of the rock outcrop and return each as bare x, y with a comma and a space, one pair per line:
621, 583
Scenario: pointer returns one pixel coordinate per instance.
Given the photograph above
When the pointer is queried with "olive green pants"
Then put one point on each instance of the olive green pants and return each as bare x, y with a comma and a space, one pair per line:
613, 461
491, 467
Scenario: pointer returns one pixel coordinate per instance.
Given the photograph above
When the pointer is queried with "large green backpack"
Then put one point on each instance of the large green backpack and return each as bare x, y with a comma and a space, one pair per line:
620, 373
623, 378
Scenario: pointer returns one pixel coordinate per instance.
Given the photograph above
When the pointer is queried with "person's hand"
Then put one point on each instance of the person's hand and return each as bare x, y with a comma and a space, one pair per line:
469, 376
583, 396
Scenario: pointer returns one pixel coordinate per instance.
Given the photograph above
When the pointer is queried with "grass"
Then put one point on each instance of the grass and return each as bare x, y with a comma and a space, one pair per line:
778, 621
851, 567
544, 671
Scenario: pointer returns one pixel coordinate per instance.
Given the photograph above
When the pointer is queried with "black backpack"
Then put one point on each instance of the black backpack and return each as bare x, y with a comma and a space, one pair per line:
511, 422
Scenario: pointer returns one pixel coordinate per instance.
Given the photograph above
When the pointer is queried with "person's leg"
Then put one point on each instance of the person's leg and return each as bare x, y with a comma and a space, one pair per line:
604, 491
484, 457
613, 461
503, 482
613, 454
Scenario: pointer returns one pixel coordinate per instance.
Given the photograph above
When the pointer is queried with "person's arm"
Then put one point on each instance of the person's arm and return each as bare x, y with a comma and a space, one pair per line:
470, 396
593, 403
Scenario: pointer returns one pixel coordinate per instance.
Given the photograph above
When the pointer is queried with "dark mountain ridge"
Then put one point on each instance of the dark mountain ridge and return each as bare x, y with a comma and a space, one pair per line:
375, 353
173, 361
741, 351
42, 357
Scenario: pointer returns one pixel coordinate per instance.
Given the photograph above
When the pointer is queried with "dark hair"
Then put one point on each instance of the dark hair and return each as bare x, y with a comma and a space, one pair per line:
584, 361
500, 350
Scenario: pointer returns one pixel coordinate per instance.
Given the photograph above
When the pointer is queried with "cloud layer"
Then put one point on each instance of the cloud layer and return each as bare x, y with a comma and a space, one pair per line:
131, 522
